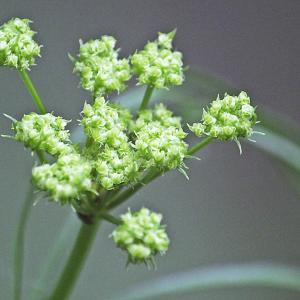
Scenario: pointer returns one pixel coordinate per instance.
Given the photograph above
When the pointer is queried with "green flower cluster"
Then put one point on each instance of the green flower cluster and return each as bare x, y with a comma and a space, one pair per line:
227, 119
17, 47
67, 180
101, 123
157, 64
113, 155
116, 166
159, 139
44, 133
100, 70
141, 235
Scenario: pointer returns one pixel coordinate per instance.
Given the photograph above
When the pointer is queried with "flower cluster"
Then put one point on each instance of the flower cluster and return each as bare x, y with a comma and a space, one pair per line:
68, 179
114, 158
159, 139
141, 235
120, 149
100, 70
115, 167
157, 64
17, 47
44, 133
227, 119
102, 124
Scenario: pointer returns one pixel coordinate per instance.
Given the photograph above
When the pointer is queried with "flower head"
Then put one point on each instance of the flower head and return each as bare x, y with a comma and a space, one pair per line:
158, 65
43, 132
141, 235
102, 123
114, 158
229, 118
68, 180
116, 166
159, 139
100, 70
17, 47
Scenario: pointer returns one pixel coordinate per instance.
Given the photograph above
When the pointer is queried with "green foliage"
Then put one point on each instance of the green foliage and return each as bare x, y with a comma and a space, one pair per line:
219, 277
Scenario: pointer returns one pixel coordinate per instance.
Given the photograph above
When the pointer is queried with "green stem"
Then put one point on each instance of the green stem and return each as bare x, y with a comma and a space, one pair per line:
75, 262
200, 145
122, 196
109, 218
29, 85
19, 244
41, 156
147, 97
151, 175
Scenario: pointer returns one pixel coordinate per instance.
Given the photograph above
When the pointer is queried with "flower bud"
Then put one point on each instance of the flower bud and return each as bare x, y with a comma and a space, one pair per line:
228, 119
159, 139
68, 180
141, 235
43, 132
157, 64
99, 68
17, 47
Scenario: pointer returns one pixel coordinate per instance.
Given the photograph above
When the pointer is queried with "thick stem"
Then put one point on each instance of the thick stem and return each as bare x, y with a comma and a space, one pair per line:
75, 262
147, 97
19, 244
29, 85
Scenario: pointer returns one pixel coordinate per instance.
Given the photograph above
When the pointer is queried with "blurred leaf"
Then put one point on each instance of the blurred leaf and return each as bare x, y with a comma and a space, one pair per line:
279, 147
19, 244
231, 276
56, 258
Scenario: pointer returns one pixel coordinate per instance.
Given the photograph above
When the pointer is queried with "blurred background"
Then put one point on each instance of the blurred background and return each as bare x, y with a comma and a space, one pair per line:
234, 208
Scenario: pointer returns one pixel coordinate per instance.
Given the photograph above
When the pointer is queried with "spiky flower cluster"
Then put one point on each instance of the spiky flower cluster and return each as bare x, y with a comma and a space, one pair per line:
227, 119
157, 64
17, 47
100, 70
159, 139
68, 180
44, 133
120, 149
113, 155
141, 235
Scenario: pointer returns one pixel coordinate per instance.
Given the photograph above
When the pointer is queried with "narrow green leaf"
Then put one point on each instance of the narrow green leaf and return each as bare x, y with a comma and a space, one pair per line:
230, 276
19, 243
280, 147
55, 260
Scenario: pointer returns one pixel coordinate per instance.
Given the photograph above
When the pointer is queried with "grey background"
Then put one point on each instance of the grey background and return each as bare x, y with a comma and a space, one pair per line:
233, 209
